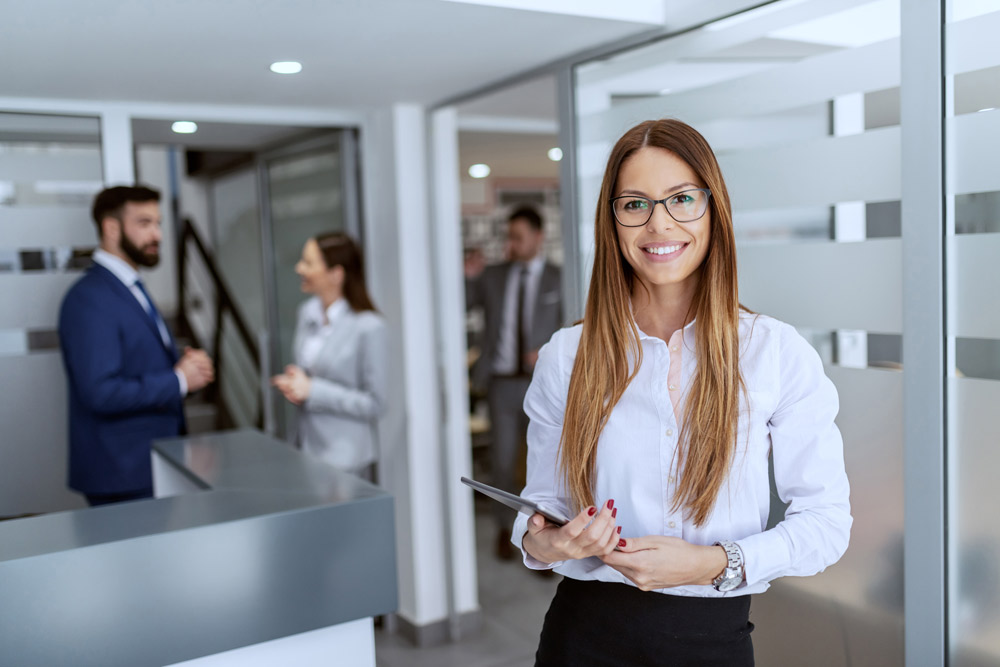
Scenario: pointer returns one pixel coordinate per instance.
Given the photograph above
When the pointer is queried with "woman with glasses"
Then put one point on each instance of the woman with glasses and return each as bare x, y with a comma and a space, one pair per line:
339, 376
651, 424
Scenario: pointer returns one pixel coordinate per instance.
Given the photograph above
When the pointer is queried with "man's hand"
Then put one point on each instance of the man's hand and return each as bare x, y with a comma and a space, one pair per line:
197, 368
530, 359
294, 384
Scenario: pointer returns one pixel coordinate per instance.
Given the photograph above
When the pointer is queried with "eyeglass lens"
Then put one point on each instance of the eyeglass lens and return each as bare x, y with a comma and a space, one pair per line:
686, 206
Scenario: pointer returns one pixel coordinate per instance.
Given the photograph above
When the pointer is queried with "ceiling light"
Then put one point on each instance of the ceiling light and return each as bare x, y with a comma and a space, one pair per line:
184, 127
555, 154
987, 109
479, 170
286, 67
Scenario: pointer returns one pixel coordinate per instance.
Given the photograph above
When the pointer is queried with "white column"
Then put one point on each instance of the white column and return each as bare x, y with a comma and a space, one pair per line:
397, 227
116, 147
849, 219
850, 223
450, 289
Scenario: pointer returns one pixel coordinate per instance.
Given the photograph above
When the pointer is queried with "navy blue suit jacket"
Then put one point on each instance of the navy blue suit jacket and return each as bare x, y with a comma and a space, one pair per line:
123, 392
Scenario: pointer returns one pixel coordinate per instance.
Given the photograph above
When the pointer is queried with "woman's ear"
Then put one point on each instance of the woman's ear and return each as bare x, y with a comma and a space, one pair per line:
336, 275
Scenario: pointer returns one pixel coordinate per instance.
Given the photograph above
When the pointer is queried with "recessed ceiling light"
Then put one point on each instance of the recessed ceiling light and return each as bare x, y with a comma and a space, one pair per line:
479, 170
286, 67
555, 154
987, 109
184, 127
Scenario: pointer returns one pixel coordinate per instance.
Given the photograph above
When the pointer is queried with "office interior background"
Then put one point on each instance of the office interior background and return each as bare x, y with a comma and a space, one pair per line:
858, 139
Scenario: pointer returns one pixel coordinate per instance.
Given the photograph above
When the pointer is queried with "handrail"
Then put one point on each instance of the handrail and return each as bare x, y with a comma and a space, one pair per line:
223, 302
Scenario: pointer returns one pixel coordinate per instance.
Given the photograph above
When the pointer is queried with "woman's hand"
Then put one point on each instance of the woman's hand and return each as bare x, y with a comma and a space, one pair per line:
590, 533
294, 384
661, 562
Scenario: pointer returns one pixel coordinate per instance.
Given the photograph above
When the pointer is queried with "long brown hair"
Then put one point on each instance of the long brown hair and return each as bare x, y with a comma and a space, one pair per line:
339, 249
609, 354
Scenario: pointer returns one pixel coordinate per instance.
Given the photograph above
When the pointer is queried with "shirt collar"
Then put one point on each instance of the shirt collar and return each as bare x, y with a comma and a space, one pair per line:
687, 332
116, 265
536, 263
315, 310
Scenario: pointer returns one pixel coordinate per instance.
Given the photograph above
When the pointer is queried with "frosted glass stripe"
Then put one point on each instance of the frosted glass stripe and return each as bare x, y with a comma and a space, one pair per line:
974, 140
32, 227
860, 167
32, 301
810, 81
826, 285
975, 312
975, 537
32, 167
703, 42
970, 44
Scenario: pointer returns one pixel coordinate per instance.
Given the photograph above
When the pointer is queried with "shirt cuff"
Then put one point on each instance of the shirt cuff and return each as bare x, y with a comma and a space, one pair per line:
182, 381
765, 556
517, 534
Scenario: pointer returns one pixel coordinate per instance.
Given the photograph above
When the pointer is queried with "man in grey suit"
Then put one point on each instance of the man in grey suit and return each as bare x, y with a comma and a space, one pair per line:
522, 304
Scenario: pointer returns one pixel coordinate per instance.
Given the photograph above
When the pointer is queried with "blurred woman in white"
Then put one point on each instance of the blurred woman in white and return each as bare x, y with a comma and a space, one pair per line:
339, 376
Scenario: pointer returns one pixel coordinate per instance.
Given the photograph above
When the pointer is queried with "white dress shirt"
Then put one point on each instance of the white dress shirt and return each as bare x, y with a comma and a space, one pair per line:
319, 325
792, 406
505, 361
129, 277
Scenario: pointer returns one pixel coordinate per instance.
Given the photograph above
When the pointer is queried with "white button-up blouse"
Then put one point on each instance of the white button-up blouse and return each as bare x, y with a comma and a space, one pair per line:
792, 406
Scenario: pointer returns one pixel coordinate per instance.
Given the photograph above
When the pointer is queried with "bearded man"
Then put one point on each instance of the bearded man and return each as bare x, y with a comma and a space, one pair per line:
126, 380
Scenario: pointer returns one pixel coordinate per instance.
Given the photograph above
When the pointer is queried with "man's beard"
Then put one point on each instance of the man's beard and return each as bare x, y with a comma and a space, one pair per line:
136, 254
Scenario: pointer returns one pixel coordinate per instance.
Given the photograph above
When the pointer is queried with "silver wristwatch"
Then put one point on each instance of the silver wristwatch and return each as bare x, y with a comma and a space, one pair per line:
733, 575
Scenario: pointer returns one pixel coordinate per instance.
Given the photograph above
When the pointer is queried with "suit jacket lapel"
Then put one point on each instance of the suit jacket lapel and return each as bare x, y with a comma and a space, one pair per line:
343, 326
126, 295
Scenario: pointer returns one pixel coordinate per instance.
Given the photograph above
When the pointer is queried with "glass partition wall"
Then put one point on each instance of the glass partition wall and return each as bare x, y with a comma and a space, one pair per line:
801, 102
972, 205
50, 170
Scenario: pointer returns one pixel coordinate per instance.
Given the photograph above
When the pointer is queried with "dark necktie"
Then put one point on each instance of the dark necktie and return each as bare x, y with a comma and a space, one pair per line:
154, 314
522, 335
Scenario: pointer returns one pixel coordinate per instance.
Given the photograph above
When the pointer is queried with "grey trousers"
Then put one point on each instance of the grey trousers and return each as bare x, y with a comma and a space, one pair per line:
508, 427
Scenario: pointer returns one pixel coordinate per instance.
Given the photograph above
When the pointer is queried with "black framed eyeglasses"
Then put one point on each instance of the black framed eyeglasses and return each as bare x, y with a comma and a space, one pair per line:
683, 206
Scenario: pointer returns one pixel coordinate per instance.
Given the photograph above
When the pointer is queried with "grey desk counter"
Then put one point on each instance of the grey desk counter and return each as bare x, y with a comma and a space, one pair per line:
273, 545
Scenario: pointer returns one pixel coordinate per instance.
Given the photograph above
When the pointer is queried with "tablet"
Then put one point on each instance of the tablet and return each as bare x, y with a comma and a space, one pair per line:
522, 505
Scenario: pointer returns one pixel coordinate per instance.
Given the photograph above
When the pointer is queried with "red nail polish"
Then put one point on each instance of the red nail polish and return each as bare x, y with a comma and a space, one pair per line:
614, 513
611, 504
592, 511
619, 530
621, 543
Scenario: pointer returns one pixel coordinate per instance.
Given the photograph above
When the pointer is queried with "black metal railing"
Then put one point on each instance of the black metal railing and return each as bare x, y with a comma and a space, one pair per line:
224, 305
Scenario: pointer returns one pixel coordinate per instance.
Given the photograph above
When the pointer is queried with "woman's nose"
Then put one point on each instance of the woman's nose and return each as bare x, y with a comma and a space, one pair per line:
660, 221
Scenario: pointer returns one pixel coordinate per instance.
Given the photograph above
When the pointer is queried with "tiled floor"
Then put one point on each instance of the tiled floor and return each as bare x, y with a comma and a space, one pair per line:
513, 601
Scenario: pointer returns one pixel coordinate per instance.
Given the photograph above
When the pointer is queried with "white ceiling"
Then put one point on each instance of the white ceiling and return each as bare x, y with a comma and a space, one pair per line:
356, 54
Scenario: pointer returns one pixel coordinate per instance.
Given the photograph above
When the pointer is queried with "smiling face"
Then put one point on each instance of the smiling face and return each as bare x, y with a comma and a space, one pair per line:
316, 277
665, 254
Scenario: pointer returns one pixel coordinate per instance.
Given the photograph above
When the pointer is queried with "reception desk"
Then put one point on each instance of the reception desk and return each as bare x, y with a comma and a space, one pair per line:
262, 557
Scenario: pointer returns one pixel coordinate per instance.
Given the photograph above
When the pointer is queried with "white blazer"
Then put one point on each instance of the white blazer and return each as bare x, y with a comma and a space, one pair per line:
337, 422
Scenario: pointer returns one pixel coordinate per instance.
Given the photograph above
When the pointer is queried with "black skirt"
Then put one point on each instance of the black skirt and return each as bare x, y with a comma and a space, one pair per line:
594, 623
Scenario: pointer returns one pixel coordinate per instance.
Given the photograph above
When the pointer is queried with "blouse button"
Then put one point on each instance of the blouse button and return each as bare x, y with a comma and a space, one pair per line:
672, 524
670, 432
670, 479
671, 387
674, 348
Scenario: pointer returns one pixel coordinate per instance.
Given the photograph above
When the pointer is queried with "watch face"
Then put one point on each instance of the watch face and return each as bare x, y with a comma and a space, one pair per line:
729, 580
